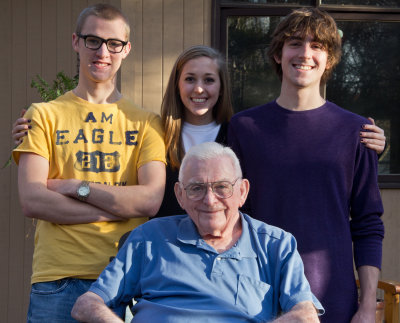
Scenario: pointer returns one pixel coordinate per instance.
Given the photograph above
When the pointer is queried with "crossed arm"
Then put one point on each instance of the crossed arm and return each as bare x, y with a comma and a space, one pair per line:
53, 200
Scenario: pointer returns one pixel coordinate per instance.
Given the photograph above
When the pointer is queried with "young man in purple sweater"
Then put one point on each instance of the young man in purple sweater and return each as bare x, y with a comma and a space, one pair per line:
310, 174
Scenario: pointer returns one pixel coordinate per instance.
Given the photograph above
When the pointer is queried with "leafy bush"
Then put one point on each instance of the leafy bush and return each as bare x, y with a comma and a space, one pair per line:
61, 84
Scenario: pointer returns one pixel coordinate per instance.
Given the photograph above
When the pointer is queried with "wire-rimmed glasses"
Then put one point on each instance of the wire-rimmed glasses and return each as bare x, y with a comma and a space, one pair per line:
222, 189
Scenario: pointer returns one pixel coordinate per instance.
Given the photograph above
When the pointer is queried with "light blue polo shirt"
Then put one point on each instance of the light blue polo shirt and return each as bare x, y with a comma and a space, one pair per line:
175, 276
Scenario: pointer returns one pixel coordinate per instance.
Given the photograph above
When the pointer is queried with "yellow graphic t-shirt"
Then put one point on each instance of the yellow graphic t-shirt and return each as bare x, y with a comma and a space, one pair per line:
102, 143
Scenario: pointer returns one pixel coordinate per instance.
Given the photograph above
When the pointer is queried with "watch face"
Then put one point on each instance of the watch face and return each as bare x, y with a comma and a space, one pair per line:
83, 190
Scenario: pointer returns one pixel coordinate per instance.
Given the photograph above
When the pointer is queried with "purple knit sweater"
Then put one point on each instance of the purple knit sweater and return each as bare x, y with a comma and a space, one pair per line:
310, 175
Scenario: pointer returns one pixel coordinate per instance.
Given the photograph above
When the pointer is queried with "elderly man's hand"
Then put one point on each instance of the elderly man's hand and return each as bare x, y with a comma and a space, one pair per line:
91, 308
303, 312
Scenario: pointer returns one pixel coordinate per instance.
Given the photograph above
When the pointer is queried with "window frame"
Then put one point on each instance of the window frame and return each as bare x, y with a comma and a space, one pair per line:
221, 12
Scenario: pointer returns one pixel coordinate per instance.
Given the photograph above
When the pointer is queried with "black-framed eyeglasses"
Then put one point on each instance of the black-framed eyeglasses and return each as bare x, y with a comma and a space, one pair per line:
94, 43
222, 189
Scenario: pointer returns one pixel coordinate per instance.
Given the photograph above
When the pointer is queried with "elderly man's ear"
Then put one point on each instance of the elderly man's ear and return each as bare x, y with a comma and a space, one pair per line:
179, 194
244, 191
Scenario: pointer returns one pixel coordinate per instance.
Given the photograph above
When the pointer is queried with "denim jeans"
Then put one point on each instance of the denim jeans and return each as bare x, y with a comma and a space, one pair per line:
53, 301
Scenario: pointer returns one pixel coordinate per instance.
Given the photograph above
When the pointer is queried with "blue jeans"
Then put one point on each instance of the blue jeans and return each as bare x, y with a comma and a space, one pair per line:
53, 301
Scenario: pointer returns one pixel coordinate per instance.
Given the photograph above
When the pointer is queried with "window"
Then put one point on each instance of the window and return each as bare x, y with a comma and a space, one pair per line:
376, 3
367, 80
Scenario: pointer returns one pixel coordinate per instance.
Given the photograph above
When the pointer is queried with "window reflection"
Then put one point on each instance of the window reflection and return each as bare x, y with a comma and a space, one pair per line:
367, 80
298, 2
375, 3
253, 80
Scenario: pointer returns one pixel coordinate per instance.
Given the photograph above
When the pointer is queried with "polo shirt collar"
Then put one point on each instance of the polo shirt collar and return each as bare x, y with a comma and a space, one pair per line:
188, 234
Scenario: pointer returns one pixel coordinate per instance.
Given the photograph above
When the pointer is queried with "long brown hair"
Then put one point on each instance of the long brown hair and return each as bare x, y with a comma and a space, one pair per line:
172, 108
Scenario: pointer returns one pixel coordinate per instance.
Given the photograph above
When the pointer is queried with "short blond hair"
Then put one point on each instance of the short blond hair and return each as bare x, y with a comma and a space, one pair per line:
104, 11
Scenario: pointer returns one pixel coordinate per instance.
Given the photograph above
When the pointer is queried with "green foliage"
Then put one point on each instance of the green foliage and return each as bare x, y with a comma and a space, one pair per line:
7, 163
61, 84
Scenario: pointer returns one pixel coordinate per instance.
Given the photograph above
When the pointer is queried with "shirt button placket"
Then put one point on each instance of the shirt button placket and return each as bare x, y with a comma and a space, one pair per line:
217, 266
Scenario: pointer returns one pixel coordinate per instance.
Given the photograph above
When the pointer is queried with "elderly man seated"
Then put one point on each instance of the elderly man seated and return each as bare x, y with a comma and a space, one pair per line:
214, 264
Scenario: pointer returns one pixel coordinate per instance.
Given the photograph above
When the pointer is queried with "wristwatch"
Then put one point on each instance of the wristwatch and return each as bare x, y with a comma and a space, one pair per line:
83, 191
